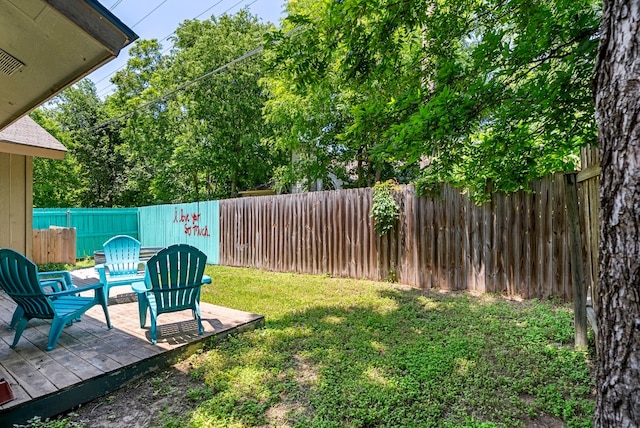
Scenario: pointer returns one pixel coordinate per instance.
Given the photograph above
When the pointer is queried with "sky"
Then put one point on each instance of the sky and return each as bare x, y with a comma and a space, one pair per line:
158, 19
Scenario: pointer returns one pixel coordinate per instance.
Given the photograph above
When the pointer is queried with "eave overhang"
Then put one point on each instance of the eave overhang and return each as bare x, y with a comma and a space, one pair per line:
47, 45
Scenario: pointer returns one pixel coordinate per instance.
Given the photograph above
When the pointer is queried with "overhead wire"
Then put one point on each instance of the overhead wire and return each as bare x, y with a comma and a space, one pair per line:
166, 37
147, 15
124, 65
113, 6
110, 85
198, 79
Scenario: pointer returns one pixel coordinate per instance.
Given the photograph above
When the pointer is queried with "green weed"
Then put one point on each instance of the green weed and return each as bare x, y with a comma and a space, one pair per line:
347, 353
37, 422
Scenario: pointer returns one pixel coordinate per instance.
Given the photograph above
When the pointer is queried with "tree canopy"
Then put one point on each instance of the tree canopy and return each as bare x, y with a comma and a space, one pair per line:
173, 130
485, 95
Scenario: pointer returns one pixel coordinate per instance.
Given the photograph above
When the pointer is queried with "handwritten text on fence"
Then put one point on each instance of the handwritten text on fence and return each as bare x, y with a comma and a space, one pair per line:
191, 223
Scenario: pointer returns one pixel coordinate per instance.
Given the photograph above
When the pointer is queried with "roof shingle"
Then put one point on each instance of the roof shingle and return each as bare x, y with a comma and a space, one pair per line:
25, 131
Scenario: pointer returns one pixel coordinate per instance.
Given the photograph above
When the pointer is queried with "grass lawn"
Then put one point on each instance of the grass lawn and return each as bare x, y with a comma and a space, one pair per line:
346, 353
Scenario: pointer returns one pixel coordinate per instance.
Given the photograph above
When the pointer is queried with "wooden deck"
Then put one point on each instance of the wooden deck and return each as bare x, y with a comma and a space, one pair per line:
90, 360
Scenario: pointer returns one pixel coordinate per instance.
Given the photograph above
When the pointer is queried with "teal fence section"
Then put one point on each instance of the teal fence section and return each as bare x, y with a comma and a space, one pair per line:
196, 224
93, 225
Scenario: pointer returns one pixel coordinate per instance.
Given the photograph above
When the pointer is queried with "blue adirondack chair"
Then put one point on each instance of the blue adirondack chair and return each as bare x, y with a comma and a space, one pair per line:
19, 278
172, 283
122, 262
55, 281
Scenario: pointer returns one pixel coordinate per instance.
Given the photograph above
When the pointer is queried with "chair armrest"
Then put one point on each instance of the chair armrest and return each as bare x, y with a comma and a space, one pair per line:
139, 287
54, 278
206, 279
102, 274
95, 286
56, 285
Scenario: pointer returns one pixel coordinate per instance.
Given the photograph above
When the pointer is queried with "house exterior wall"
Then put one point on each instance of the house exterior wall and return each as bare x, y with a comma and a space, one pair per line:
16, 203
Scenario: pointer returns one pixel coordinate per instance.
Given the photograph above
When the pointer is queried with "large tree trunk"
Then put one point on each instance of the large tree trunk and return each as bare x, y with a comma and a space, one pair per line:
617, 90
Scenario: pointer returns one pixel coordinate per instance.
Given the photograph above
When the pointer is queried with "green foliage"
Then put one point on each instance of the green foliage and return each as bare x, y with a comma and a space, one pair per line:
327, 123
37, 422
219, 120
338, 352
56, 183
161, 385
84, 263
210, 134
52, 267
384, 206
97, 172
483, 95
80, 264
134, 148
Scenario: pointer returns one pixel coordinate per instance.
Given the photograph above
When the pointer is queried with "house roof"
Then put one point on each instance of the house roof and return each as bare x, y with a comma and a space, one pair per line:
47, 45
26, 137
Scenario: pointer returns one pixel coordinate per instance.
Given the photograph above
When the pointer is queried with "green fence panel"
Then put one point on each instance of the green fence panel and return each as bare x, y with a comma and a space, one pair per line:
93, 225
196, 224
45, 217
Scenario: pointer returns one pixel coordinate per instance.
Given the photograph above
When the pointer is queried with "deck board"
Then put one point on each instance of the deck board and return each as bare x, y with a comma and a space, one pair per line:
89, 355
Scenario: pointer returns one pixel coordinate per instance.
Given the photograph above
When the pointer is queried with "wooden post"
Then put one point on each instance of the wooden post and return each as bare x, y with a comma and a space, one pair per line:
590, 209
575, 245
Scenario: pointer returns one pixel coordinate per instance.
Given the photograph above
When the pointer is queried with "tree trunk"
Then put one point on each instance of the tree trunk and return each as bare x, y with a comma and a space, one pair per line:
234, 186
196, 185
617, 92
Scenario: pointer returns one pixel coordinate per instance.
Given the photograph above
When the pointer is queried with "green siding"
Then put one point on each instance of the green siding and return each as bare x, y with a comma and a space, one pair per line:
196, 224
93, 225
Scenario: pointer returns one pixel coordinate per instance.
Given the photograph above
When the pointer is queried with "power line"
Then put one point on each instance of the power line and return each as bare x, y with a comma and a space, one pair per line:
198, 79
202, 13
179, 88
246, 5
113, 6
106, 88
169, 35
122, 66
147, 15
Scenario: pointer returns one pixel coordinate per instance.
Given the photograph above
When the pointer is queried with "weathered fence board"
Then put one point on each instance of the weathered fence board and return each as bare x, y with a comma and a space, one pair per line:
54, 245
514, 245
589, 205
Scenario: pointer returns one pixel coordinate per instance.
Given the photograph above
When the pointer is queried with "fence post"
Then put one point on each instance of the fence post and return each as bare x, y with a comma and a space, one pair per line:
575, 244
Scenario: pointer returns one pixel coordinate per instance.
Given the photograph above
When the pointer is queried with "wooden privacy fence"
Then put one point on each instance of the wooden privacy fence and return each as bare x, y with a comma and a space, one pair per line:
516, 245
317, 233
54, 245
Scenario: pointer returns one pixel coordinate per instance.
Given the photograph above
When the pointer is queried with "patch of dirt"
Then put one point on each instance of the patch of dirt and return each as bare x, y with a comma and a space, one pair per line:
544, 421
147, 402
167, 395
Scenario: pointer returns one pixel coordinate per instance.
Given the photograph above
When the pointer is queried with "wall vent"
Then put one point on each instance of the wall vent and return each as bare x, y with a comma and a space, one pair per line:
9, 64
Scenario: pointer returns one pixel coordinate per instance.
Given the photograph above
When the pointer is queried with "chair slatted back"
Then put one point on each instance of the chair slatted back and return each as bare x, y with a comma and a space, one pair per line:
175, 276
19, 279
122, 255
